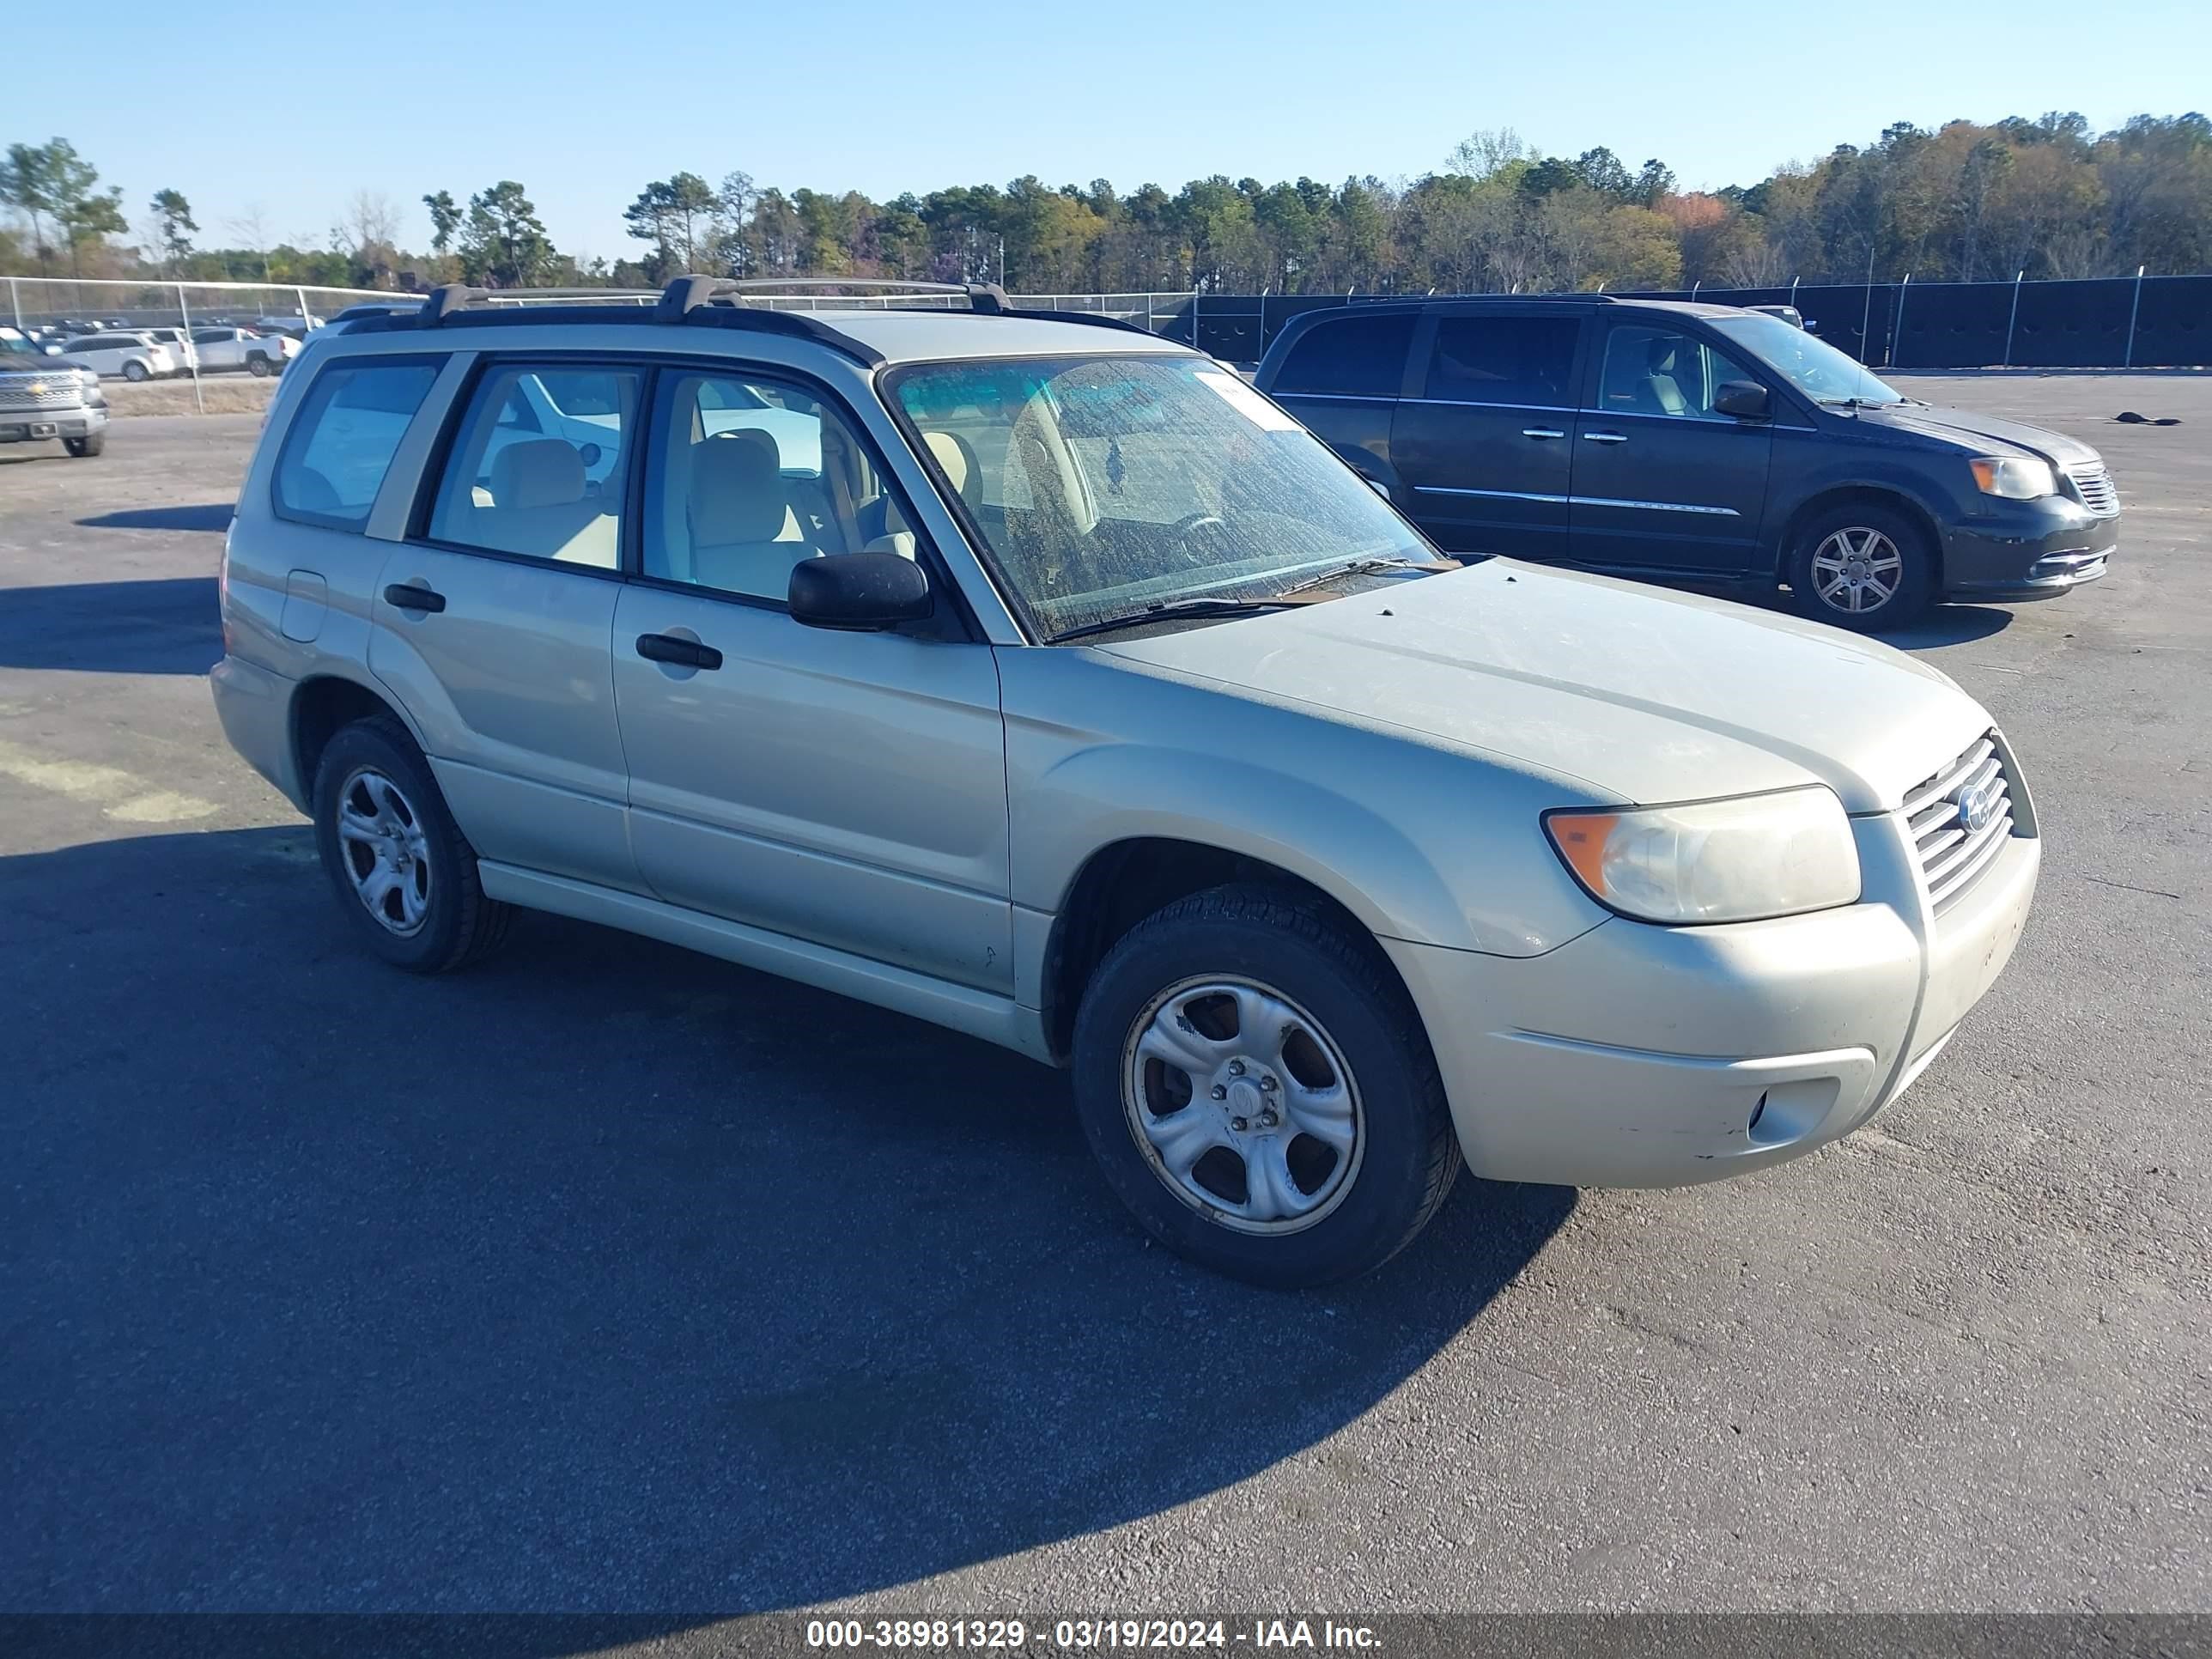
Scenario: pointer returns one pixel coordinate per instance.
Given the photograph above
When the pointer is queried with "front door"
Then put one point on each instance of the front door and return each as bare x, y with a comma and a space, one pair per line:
1487, 451
493, 630
847, 789
1662, 481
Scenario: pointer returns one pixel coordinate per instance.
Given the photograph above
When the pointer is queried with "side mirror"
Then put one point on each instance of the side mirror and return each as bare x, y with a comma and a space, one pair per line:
860, 592
1744, 399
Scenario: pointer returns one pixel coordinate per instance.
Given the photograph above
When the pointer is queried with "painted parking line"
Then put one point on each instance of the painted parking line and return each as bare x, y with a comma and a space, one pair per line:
118, 794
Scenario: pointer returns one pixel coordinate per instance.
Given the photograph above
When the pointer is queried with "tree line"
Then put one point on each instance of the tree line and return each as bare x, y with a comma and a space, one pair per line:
1964, 201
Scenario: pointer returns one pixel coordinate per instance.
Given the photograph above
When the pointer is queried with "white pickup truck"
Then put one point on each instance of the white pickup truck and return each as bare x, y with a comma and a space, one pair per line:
258, 355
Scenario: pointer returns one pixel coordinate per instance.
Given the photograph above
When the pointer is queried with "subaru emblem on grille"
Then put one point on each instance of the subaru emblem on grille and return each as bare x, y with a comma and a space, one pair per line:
1979, 804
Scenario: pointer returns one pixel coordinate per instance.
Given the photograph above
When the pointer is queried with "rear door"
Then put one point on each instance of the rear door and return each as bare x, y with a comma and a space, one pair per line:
1662, 482
1342, 377
1484, 451
493, 622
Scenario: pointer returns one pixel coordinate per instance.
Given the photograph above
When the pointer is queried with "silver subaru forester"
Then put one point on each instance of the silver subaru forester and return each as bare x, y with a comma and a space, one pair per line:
1039, 677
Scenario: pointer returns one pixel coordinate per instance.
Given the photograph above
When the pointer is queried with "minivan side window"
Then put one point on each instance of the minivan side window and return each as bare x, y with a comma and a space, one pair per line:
538, 465
1523, 361
1662, 371
343, 438
1350, 356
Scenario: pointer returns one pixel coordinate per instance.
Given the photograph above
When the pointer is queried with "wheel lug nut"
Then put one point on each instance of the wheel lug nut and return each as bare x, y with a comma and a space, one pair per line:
1220, 1092
1236, 1069
1238, 1123
1267, 1085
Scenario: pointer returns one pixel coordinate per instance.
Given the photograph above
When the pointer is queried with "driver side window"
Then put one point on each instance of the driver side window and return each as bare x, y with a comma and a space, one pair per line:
1662, 371
747, 477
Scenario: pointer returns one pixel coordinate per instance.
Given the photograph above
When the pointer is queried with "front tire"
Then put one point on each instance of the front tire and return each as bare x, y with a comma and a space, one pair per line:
136, 372
86, 447
1863, 567
402, 873
1259, 1091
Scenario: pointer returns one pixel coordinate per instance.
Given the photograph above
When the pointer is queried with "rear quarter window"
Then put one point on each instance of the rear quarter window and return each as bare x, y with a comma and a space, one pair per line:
1349, 357
342, 442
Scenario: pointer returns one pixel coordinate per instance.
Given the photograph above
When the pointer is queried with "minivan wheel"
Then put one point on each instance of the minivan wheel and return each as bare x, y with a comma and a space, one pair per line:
1863, 567
1258, 1089
402, 872
135, 371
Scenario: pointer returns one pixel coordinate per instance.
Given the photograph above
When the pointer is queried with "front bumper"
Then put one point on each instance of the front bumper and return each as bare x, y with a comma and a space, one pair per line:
20, 426
2018, 550
1644, 1056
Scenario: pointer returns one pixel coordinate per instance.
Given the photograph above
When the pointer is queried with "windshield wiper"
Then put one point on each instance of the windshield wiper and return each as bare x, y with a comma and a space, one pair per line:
1167, 610
1281, 598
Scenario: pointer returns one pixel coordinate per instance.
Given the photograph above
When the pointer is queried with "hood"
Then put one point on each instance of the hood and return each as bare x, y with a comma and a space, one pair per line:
1640, 695
1980, 433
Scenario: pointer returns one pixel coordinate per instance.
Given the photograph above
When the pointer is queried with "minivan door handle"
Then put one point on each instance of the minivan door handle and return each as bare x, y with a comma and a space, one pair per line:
684, 653
406, 596
1607, 437
1541, 432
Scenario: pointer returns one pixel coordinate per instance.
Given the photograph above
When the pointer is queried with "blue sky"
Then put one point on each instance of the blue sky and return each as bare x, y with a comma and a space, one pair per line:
583, 102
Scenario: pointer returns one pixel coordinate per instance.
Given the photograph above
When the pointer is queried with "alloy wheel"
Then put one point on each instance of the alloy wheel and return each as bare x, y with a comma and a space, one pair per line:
1856, 570
384, 850
1242, 1105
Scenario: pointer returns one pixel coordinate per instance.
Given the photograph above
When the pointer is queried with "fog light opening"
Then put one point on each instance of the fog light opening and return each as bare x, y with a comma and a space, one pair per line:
1757, 1113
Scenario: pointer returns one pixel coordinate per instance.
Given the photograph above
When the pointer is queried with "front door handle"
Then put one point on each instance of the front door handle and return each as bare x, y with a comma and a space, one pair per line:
406, 596
684, 653
1541, 432
1607, 437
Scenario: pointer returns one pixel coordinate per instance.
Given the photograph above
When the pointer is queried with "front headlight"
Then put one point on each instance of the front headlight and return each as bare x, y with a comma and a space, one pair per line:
2015, 477
1719, 860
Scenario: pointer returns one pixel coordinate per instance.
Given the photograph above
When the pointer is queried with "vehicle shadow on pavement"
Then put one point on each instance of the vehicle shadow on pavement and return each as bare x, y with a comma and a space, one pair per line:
213, 516
1951, 624
606, 1277
166, 626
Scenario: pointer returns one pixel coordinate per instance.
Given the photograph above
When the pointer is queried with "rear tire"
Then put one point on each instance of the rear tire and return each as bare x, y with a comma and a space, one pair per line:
1864, 566
135, 372
86, 447
1300, 1025
258, 366
402, 873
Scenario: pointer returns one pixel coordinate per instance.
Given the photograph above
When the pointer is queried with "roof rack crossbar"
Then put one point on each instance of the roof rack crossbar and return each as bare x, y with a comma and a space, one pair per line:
447, 299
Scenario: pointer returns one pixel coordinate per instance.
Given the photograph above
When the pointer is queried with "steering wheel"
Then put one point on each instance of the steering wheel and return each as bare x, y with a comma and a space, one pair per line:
1189, 525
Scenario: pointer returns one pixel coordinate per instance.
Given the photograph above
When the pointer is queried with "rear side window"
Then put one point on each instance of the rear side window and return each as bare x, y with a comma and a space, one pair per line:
1349, 357
537, 468
343, 440
1503, 359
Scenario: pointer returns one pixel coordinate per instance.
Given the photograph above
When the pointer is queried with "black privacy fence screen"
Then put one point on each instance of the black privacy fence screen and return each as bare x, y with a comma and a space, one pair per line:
2119, 322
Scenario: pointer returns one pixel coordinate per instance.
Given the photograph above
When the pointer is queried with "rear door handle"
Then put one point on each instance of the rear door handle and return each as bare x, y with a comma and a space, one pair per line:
406, 596
684, 653
1541, 432
1607, 437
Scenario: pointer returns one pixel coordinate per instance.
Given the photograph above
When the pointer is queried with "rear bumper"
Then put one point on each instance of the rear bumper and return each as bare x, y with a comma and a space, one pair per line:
2029, 551
19, 426
1644, 1056
255, 707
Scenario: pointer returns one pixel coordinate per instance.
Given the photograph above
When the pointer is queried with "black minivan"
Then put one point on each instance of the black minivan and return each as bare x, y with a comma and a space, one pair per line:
1661, 438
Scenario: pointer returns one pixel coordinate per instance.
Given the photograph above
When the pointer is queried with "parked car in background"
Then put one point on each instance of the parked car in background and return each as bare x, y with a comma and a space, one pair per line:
134, 356
226, 349
44, 396
1662, 439
1039, 677
179, 342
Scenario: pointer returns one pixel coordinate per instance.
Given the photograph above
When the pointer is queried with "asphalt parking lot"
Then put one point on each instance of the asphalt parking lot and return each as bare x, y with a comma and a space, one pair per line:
612, 1278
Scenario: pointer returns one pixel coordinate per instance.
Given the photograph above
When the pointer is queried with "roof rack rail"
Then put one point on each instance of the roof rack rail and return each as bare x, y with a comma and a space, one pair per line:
688, 294
447, 299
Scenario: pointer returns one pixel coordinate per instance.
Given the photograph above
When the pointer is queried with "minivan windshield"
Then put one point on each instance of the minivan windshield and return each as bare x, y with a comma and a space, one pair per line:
1807, 362
1114, 486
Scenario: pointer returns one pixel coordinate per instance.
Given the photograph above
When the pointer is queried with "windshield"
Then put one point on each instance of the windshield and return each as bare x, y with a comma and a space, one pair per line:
15, 344
1807, 362
1106, 487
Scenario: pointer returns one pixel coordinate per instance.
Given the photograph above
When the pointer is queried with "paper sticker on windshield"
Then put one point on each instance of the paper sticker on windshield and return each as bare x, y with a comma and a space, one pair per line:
1246, 402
